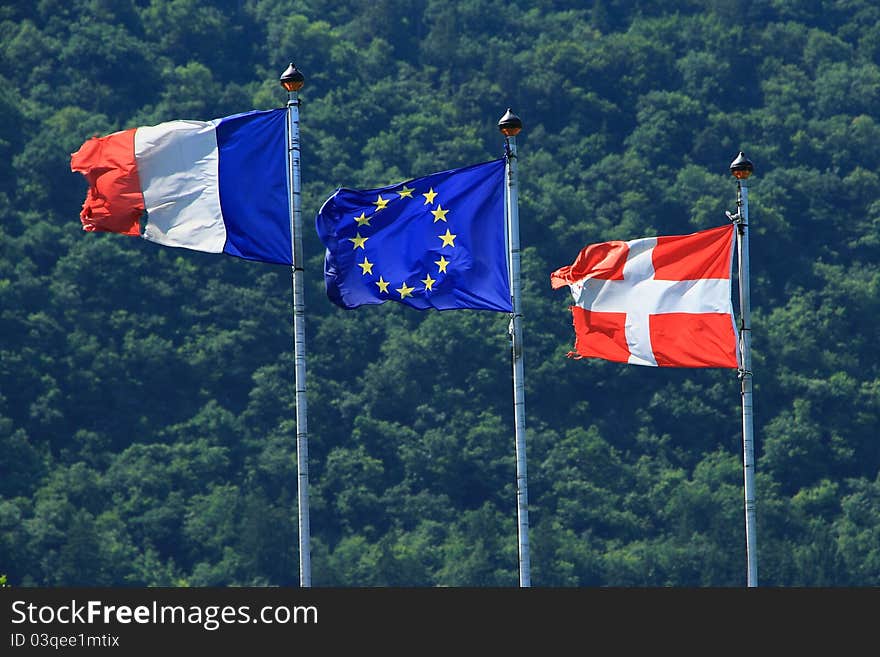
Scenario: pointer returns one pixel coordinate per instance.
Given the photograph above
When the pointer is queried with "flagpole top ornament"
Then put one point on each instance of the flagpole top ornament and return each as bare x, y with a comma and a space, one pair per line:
741, 167
509, 124
292, 80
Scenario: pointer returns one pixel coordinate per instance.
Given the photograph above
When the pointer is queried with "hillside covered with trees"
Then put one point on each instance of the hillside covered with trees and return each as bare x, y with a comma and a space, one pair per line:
147, 420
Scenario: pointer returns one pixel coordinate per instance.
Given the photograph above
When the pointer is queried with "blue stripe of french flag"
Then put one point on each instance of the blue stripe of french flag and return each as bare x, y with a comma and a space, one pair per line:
217, 186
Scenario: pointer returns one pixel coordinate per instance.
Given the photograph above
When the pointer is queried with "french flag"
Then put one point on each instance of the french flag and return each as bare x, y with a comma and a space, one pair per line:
657, 301
217, 186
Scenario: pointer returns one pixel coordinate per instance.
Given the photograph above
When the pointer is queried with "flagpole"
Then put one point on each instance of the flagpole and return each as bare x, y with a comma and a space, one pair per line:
292, 81
742, 168
510, 126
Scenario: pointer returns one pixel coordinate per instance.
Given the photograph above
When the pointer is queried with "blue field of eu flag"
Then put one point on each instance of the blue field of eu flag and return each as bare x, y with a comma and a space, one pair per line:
434, 242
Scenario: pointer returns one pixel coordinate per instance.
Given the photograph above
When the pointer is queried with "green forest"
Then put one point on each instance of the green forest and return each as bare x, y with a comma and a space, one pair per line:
147, 407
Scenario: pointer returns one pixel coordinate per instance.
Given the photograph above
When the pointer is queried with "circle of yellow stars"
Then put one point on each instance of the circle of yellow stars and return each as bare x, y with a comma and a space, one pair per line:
447, 240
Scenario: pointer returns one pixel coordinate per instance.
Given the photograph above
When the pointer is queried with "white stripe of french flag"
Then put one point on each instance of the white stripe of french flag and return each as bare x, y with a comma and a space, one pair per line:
656, 301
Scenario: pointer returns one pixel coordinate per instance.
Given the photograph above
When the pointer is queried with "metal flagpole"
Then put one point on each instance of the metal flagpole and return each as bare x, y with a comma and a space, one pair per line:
292, 80
510, 126
742, 168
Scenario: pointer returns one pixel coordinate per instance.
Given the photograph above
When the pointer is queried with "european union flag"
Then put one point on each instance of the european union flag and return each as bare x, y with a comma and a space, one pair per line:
433, 242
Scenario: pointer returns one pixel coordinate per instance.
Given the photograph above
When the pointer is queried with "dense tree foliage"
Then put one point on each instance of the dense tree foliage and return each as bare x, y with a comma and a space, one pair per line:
147, 431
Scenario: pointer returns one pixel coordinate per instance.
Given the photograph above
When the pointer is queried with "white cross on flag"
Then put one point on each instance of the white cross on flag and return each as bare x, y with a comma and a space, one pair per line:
658, 301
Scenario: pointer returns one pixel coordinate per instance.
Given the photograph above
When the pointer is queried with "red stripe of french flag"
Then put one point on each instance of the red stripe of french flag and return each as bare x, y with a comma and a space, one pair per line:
657, 301
114, 201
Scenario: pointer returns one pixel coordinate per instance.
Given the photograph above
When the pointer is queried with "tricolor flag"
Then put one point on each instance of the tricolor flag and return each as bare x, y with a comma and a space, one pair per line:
217, 186
433, 242
658, 301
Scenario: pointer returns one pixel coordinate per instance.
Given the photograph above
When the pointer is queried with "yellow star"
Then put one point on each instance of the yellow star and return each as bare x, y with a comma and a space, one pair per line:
429, 196
439, 214
363, 219
448, 239
441, 263
383, 285
405, 291
429, 282
406, 192
359, 241
366, 266
380, 202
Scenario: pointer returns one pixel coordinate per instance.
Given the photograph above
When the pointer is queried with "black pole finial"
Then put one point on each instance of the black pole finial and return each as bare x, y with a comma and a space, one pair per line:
292, 79
741, 167
509, 124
